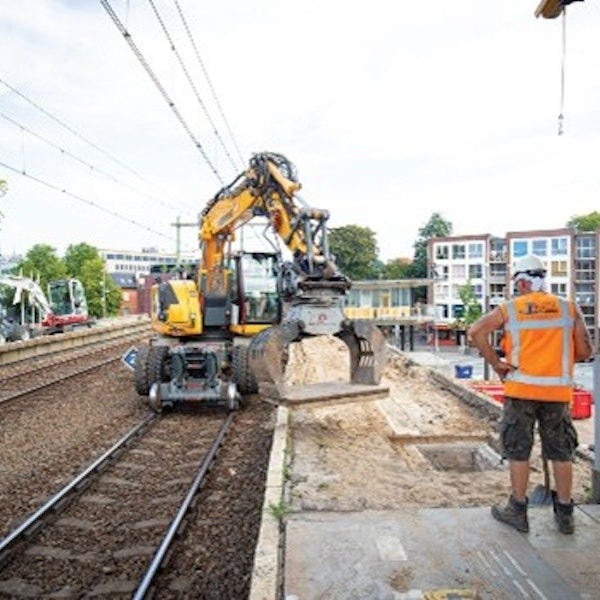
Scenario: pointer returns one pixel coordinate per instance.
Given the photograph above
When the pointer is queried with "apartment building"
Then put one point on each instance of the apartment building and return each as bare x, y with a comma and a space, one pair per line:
485, 262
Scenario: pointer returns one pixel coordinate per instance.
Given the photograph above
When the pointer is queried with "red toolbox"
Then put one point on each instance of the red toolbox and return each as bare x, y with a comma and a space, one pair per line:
581, 407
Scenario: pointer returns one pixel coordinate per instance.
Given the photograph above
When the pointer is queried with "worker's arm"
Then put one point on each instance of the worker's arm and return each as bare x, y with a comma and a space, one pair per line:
479, 335
583, 343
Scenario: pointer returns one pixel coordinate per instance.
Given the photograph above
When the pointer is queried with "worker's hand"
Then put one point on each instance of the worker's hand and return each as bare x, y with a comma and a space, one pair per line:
503, 369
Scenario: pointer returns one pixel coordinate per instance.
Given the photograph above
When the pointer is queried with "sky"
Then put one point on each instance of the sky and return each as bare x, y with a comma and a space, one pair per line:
391, 111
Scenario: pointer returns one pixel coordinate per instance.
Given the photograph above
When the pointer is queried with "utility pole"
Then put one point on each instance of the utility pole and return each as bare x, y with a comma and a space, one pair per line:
178, 225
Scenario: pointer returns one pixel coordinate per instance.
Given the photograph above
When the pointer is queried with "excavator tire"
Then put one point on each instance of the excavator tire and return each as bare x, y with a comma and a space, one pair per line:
158, 370
242, 374
142, 384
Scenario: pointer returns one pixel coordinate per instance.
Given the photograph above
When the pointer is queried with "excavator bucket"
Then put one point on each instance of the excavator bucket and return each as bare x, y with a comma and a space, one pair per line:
268, 354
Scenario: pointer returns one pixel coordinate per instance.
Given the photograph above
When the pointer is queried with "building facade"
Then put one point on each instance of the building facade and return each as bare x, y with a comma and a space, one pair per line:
485, 263
139, 263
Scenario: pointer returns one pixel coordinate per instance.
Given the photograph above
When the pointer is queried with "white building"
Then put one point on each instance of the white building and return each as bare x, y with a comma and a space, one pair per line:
486, 262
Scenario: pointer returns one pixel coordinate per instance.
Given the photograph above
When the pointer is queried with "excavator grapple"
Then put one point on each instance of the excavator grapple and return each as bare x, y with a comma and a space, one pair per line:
269, 352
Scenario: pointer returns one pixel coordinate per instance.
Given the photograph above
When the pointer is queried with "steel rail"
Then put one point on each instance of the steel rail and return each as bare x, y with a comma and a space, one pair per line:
36, 388
160, 554
20, 532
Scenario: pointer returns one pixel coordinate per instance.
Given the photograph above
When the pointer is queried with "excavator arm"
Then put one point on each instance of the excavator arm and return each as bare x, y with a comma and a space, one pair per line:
311, 284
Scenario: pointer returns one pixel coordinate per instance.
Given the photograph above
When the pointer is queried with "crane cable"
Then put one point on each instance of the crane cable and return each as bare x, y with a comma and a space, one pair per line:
159, 86
562, 71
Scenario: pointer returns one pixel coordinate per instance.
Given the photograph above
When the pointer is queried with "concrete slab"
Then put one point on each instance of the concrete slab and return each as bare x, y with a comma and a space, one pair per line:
328, 393
427, 553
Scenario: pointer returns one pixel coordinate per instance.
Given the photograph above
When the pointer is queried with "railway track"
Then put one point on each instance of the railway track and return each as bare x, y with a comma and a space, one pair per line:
34, 373
108, 531
60, 427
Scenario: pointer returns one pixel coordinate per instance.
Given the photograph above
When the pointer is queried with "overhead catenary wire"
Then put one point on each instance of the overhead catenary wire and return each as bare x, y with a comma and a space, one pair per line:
159, 86
82, 161
82, 199
208, 80
191, 83
76, 133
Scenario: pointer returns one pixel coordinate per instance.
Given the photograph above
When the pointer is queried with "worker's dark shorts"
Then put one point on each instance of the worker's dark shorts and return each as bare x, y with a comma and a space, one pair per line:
558, 435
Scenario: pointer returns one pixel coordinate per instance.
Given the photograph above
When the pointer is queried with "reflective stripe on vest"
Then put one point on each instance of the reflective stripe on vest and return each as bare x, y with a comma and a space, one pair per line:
514, 326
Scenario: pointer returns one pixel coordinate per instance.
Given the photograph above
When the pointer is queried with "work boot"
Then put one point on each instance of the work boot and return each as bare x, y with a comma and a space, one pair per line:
563, 515
513, 514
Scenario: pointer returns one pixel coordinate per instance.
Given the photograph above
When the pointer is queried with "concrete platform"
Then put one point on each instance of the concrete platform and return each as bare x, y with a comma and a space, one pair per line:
439, 553
427, 554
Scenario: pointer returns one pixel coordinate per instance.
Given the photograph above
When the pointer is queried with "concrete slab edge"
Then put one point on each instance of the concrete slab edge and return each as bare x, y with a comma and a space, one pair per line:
266, 574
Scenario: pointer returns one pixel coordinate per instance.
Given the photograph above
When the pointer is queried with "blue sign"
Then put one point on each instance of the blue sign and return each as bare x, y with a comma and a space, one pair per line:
129, 357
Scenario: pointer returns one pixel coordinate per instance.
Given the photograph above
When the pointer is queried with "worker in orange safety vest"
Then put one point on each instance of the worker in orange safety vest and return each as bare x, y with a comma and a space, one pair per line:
544, 336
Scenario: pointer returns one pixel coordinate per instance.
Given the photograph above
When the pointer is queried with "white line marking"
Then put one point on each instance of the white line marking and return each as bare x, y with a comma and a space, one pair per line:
521, 589
536, 589
515, 563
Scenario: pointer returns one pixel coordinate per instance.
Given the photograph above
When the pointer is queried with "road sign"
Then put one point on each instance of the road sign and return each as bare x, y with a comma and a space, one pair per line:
129, 357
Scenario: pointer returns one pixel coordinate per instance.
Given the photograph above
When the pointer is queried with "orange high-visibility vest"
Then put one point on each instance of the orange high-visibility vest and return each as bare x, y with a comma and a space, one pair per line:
539, 342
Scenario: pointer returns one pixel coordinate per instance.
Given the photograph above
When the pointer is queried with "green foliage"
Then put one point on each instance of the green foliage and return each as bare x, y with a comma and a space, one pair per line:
42, 264
82, 262
99, 288
77, 255
437, 226
397, 268
279, 510
589, 222
355, 249
472, 308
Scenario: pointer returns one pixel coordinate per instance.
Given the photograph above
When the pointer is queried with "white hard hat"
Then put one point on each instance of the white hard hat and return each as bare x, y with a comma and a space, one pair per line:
531, 265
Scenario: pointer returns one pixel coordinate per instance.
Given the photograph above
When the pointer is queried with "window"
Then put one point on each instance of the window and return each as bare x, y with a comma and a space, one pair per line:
441, 291
458, 310
586, 247
476, 250
441, 252
458, 271
559, 246
558, 268
475, 271
539, 247
458, 251
520, 248
585, 270
559, 289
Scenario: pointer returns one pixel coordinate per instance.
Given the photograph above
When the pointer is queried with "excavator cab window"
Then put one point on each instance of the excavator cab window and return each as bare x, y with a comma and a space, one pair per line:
257, 288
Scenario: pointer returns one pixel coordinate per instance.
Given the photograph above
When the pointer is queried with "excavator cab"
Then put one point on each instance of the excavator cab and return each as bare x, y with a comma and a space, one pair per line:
256, 303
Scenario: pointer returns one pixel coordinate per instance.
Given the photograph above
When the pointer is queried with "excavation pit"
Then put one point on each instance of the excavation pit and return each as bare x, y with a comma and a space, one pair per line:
461, 457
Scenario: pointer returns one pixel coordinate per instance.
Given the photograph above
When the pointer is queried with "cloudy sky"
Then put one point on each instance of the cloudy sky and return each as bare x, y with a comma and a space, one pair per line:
390, 110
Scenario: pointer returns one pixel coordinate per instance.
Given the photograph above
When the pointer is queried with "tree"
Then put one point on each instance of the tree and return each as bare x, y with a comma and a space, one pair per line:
435, 227
355, 249
102, 293
397, 268
589, 222
77, 255
42, 264
472, 309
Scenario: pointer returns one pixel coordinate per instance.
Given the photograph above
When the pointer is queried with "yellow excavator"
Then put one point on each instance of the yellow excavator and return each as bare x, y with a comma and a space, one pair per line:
225, 332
